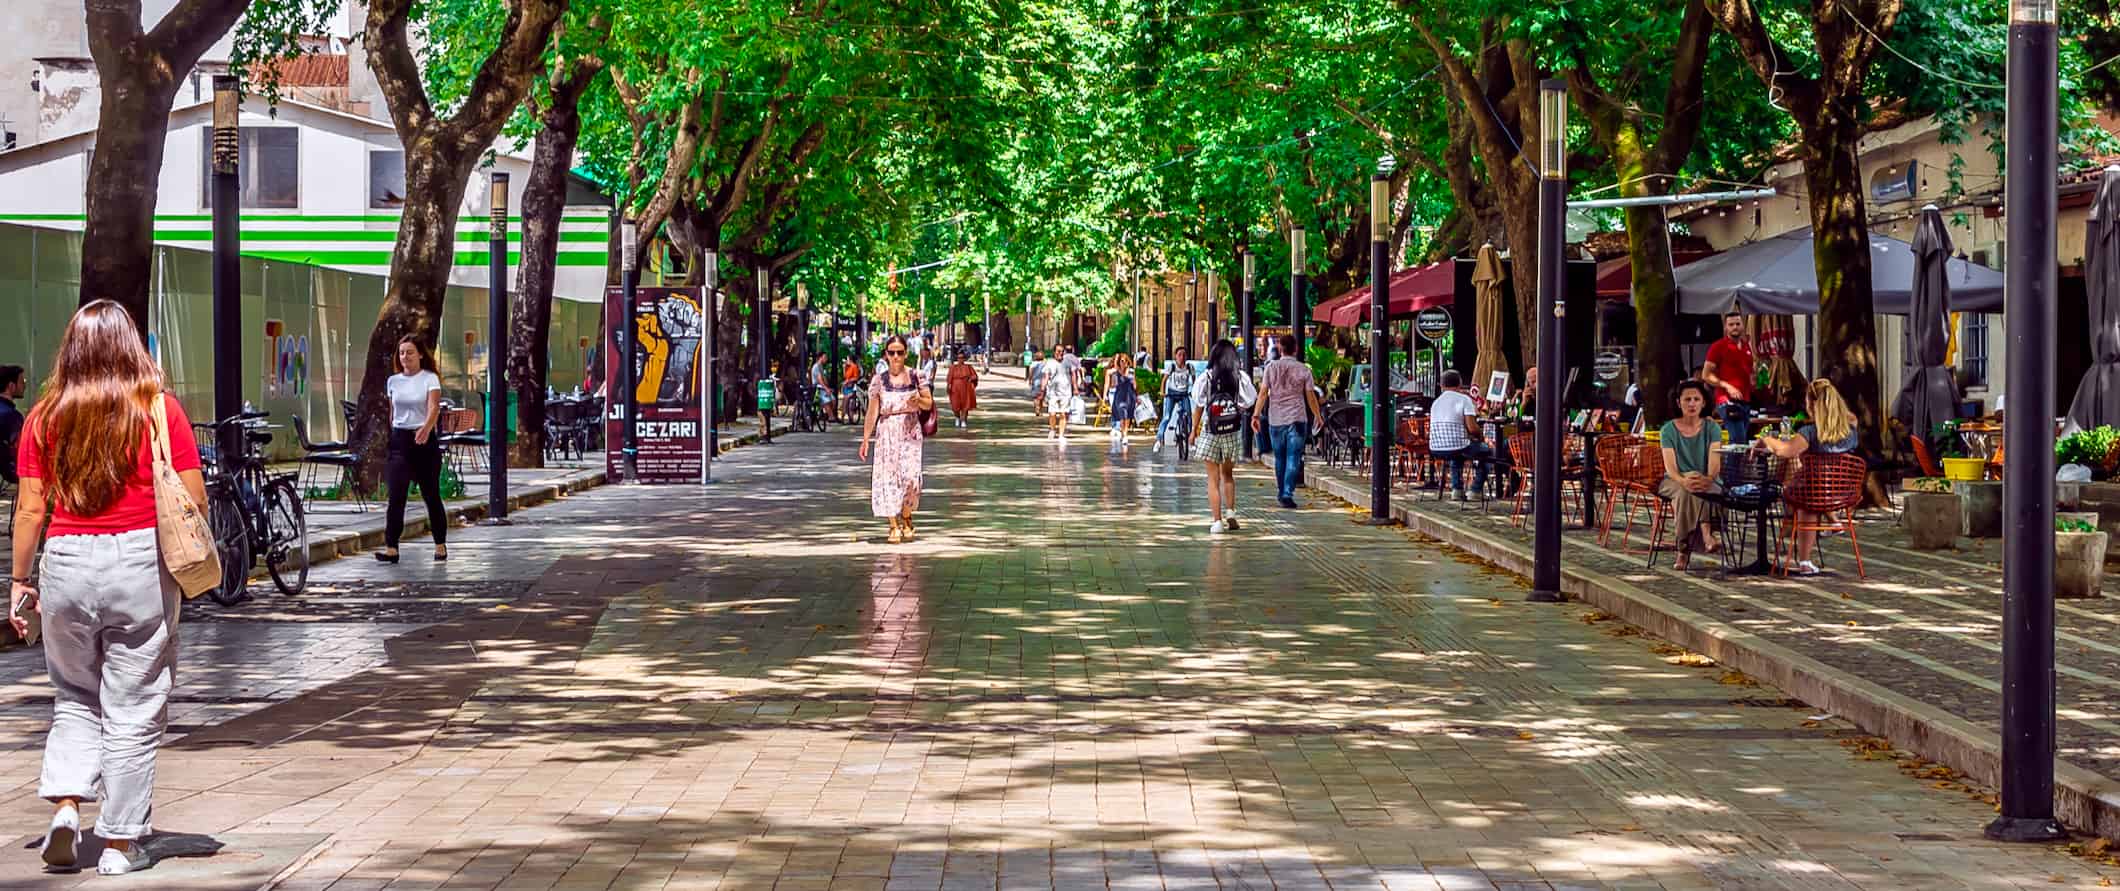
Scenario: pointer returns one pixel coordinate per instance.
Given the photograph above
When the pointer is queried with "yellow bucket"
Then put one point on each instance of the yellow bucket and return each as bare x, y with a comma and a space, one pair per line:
1970, 469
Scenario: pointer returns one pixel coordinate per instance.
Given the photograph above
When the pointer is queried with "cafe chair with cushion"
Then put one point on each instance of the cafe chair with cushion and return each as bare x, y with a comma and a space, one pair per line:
1822, 495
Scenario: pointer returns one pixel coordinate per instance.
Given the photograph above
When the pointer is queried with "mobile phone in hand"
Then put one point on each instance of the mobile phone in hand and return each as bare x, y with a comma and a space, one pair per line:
32, 621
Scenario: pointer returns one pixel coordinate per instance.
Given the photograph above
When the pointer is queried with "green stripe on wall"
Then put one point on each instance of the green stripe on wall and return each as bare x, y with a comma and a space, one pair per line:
279, 218
382, 258
383, 235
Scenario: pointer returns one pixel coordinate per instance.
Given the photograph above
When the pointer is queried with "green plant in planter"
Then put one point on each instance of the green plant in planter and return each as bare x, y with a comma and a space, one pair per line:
1324, 362
2073, 524
2090, 448
1944, 437
1926, 484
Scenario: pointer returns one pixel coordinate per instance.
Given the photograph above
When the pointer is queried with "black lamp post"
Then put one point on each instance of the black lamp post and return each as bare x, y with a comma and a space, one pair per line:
227, 268
1552, 207
1251, 284
2026, 807
1134, 321
629, 413
497, 355
1296, 260
765, 348
1381, 410
1192, 302
710, 379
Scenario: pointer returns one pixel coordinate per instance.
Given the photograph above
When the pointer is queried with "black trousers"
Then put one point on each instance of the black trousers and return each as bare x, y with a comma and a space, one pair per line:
410, 462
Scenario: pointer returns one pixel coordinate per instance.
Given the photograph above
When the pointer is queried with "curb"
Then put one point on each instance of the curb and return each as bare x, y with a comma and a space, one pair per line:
2083, 799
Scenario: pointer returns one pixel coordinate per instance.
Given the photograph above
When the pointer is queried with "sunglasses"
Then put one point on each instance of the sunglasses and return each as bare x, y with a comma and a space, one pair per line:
894, 352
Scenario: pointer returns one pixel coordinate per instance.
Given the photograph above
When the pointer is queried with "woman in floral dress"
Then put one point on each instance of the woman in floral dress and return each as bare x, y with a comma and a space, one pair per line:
896, 399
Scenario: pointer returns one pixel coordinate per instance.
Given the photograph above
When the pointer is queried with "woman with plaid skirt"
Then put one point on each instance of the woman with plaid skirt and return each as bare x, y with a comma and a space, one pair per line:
1219, 399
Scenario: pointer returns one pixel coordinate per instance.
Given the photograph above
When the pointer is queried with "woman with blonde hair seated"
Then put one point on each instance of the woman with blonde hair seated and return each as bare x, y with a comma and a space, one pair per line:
1832, 431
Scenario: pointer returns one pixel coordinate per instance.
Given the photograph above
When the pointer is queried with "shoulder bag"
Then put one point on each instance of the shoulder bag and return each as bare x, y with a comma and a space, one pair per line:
187, 544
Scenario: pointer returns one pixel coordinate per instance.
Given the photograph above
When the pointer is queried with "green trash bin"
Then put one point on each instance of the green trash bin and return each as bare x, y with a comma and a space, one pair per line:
1369, 417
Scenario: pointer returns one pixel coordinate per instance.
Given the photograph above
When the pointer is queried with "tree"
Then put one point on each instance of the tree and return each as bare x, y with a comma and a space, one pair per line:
441, 148
139, 71
1646, 151
558, 112
1829, 104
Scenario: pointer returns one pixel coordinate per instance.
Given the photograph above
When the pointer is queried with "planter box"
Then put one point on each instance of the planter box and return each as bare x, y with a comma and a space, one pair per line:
1981, 505
1932, 519
2079, 564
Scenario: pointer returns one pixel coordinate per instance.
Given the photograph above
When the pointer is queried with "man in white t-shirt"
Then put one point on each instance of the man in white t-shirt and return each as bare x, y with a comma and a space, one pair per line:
1058, 389
1454, 434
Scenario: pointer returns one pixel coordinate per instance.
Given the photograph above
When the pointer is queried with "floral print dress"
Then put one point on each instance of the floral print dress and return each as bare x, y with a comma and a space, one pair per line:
895, 487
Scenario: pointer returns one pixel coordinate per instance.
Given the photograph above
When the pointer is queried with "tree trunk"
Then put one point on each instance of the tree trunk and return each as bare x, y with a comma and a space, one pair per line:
529, 360
123, 181
1847, 333
419, 280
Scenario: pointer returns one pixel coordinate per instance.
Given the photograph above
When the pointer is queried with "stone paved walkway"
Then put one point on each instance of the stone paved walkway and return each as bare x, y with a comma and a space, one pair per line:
1925, 624
1065, 683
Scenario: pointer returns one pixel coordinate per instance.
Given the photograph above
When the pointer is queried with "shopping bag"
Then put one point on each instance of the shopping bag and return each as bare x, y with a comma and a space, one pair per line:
1077, 412
1144, 409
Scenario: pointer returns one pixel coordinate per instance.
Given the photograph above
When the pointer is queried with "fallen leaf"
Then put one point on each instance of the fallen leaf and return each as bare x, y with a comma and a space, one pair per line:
1525, 734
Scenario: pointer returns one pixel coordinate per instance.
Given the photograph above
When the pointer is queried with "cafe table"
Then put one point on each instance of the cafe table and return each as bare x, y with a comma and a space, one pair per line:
1751, 484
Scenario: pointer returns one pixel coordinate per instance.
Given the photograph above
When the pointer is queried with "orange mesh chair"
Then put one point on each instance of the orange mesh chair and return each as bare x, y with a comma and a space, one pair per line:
1523, 449
1822, 495
1648, 467
1929, 467
1411, 450
1615, 467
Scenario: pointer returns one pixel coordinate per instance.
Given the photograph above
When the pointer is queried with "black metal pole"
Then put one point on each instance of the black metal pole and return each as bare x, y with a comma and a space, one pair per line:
2029, 205
831, 377
497, 357
1168, 324
629, 413
710, 379
1134, 321
765, 347
1296, 260
1381, 413
1192, 302
1251, 284
1546, 480
1214, 311
227, 267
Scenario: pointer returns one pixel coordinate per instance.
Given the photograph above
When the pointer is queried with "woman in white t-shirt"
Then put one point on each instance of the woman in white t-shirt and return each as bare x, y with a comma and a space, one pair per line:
415, 454
1219, 399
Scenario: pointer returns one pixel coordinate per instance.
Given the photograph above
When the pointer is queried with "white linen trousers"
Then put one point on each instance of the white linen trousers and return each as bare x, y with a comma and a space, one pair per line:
110, 645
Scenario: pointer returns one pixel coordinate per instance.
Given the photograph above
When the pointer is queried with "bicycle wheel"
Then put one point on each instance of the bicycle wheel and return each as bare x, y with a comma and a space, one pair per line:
232, 539
286, 537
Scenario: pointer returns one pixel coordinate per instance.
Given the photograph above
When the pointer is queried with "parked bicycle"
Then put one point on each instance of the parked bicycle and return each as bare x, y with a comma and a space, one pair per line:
253, 513
809, 410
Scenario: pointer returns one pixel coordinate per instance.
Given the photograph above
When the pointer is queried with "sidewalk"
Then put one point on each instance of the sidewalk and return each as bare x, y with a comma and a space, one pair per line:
1912, 652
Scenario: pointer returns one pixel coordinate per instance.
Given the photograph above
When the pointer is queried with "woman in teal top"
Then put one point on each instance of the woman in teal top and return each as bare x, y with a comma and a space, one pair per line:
1692, 465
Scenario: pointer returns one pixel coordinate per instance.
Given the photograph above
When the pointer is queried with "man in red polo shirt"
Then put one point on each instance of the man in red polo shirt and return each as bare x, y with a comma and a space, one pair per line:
1729, 371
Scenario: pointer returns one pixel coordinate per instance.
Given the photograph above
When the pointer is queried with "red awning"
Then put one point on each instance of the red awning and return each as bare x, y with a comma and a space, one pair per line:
1411, 291
1615, 277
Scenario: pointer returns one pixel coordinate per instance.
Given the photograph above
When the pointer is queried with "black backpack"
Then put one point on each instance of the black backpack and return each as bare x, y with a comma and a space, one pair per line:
1224, 415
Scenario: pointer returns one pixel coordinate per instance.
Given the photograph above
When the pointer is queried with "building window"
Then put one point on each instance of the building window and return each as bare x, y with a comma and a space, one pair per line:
386, 180
269, 167
1973, 349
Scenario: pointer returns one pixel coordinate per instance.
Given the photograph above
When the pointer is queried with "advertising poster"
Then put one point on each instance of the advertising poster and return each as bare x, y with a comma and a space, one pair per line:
669, 337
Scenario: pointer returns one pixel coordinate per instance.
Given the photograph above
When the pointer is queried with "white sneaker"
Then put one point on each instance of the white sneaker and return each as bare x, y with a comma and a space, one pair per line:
1807, 567
1159, 445
117, 863
1217, 528
60, 840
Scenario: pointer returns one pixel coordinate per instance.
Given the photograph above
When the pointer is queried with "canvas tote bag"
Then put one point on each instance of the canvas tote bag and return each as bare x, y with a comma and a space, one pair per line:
188, 550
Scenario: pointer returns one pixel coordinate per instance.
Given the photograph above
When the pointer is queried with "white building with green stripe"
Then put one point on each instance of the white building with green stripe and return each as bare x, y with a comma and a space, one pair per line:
320, 187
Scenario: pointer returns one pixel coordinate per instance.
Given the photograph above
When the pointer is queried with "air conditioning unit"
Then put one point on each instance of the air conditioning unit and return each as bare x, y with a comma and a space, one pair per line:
1988, 255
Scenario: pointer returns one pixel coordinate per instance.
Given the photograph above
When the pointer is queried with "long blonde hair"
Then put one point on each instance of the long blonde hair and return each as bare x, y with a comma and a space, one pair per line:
1828, 411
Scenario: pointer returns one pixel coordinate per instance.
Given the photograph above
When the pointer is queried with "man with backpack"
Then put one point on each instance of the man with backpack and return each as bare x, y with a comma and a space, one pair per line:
1288, 395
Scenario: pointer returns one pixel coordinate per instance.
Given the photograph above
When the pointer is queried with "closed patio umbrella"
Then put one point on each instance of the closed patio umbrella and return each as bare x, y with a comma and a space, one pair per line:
1930, 394
2098, 397
1487, 274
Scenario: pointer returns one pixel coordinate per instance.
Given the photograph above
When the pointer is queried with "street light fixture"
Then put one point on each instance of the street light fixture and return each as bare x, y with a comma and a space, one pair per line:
227, 247
1244, 346
629, 412
1296, 263
1552, 207
2026, 805
1382, 409
497, 353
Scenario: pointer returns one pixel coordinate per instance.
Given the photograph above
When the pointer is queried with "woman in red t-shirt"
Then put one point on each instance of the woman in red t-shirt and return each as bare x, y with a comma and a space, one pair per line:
109, 610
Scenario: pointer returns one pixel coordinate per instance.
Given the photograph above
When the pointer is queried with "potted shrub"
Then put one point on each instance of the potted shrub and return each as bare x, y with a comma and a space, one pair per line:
2097, 449
1931, 513
1950, 453
2079, 556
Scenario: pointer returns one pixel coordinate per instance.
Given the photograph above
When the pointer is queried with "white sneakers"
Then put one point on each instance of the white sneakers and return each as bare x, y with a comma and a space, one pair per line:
1217, 527
60, 839
1159, 445
117, 863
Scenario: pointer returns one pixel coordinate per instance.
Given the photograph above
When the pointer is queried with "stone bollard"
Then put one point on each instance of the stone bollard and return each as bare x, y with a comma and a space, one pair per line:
1981, 503
2079, 564
1933, 519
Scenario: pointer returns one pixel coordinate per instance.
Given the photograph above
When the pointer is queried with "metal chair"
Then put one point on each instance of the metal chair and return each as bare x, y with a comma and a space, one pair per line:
329, 454
1523, 451
1822, 494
